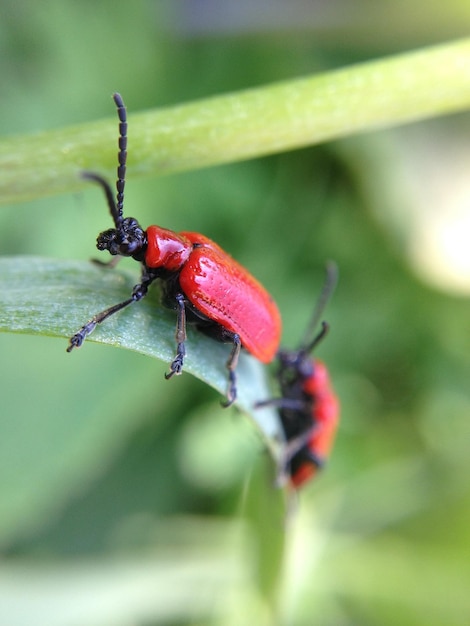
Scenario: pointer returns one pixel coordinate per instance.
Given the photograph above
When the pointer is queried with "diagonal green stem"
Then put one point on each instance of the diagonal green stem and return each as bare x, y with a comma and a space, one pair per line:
251, 123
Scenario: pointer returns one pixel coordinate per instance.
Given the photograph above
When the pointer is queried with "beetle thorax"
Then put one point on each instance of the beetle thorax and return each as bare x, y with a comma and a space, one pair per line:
166, 249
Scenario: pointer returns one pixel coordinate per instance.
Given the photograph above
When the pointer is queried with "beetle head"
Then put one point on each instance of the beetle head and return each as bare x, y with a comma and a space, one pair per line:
127, 240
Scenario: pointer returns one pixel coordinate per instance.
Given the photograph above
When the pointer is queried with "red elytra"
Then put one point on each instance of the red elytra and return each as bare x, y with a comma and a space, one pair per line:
325, 409
218, 287
308, 406
322, 414
199, 280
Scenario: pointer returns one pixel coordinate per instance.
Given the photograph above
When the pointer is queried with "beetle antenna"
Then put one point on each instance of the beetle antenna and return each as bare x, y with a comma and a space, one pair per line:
122, 158
329, 285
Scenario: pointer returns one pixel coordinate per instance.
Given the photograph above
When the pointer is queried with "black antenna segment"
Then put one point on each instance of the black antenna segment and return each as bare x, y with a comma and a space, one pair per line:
122, 157
331, 279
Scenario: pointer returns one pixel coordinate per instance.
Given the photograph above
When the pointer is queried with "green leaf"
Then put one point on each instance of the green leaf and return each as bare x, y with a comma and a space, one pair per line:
56, 297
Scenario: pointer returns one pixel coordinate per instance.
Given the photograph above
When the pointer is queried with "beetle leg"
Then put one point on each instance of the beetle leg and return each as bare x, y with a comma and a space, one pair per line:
176, 366
293, 447
111, 264
139, 292
231, 366
282, 403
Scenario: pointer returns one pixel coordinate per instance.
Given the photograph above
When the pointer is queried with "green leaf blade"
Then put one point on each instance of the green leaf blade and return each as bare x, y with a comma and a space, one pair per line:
56, 297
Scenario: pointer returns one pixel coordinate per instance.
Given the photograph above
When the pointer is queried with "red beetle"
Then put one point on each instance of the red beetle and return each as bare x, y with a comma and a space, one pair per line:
199, 280
308, 406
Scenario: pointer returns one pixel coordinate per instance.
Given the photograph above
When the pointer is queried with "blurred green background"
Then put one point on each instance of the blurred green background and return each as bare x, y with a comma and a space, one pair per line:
125, 499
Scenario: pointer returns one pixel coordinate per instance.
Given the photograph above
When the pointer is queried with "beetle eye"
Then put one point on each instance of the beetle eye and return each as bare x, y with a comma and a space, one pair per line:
128, 248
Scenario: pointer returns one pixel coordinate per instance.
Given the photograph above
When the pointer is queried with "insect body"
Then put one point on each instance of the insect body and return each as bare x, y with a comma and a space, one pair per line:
308, 407
199, 280
309, 412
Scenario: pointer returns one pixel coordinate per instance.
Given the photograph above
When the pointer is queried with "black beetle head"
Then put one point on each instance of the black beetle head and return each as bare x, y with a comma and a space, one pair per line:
127, 240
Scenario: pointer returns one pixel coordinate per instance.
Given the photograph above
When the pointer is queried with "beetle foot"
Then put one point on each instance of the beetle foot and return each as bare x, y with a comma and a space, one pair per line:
77, 340
176, 367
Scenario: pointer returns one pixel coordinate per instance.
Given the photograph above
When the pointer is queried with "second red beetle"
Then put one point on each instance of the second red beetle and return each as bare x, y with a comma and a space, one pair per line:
309, 412
308, 406
200, 281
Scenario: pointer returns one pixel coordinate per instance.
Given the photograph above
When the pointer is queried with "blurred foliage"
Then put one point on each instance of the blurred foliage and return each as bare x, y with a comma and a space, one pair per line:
170, 516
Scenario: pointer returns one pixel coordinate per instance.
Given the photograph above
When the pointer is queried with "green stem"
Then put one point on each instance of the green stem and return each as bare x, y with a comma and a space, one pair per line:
251, 123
